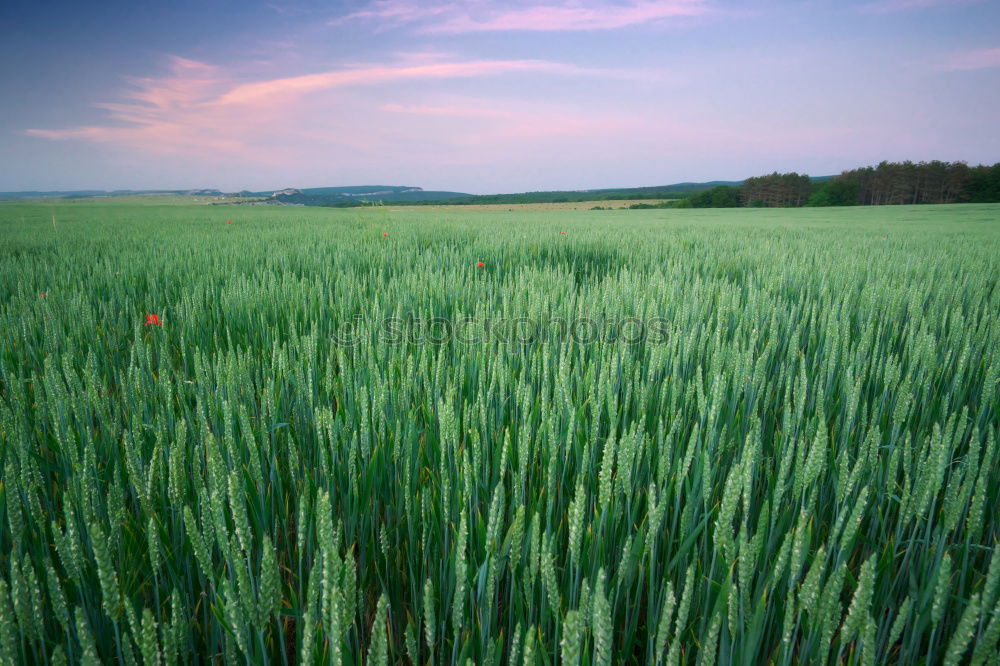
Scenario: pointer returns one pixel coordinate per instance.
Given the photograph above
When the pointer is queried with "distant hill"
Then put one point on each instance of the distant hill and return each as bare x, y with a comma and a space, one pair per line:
360, 195
91, 194
353, 195
30, 194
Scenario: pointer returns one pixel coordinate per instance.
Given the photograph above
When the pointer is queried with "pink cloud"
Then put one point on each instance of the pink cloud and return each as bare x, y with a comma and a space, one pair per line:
977, 59
370, 75
564, 16
163, 114
201, 110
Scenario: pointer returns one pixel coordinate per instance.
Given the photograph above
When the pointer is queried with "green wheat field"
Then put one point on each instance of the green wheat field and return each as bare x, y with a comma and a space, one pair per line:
769, 436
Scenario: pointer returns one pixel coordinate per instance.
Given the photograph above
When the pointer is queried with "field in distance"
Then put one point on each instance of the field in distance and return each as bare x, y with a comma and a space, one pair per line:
134, 200
318, 435
529, 207
181, 199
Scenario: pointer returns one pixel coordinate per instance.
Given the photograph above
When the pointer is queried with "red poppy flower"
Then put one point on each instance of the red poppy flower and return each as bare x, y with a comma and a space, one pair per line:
42, 295
229, 221
480, 264
563, 233
153, 320
384, 235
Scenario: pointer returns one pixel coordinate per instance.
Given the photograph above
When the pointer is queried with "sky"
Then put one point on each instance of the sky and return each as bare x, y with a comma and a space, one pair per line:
487, 97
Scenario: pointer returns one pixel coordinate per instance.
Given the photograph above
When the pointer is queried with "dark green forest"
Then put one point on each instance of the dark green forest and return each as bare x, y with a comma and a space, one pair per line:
886, 184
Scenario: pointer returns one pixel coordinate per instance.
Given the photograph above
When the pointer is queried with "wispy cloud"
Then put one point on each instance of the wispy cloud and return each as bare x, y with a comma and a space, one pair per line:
466, 17
976, 59
376, 74
164, 114
204, 110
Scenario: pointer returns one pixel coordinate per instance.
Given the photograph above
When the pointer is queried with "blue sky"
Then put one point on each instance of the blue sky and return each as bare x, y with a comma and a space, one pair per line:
487, 97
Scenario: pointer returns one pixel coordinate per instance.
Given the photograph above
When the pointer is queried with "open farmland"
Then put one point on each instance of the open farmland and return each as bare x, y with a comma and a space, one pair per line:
663, 436
534, 207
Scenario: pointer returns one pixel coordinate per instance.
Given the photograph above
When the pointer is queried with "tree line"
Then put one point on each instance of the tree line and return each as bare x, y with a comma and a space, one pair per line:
888, 183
